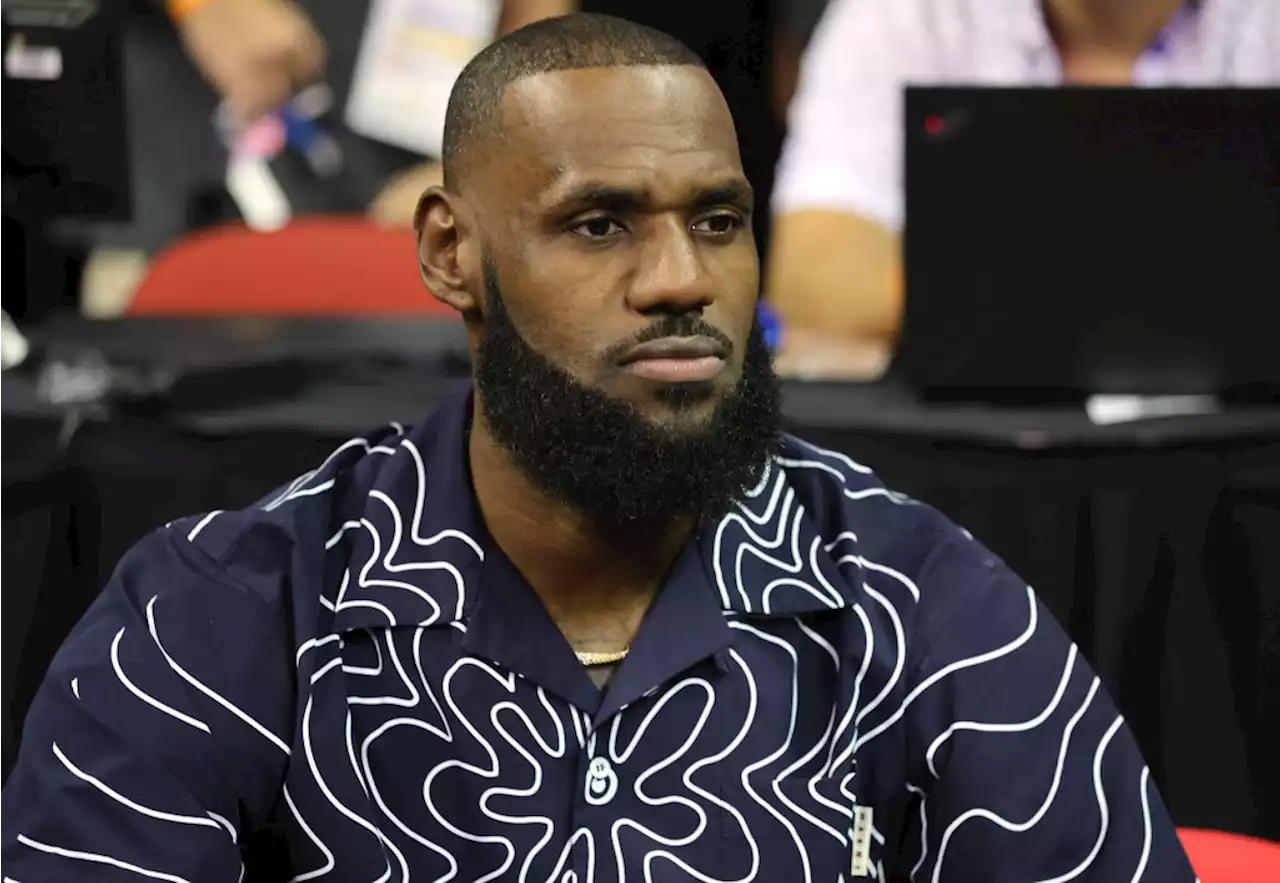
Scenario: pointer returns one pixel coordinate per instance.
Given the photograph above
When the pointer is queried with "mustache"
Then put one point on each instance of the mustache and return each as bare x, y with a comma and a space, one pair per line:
686, 325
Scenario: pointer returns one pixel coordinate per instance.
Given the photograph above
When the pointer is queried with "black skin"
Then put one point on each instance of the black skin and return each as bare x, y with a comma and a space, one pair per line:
614, 197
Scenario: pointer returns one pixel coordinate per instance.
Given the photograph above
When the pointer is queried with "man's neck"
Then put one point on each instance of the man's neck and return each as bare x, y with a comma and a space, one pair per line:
597, 584
1116, 26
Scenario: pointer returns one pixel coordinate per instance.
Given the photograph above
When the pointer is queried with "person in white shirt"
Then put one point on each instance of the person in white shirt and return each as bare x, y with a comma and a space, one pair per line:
835, 273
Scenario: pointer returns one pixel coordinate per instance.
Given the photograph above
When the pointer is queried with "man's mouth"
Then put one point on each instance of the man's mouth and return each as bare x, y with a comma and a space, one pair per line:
677, 359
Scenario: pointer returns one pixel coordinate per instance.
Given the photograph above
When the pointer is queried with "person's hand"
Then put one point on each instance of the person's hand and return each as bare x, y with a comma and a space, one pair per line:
808, 354
255, 53
395, 205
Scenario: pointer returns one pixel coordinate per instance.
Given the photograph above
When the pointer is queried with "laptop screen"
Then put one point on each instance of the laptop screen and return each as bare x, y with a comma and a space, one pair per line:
1070, 241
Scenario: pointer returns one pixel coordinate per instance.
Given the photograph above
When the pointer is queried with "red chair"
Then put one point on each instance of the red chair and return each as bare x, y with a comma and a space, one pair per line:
318, 266
1219, 857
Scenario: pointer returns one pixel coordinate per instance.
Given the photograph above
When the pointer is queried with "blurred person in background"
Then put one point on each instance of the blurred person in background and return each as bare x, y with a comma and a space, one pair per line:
835, 265
258, 54
190, 63
794, 27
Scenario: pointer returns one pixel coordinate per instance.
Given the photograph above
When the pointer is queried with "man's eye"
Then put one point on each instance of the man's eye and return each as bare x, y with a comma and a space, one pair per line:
598, 228
718, 225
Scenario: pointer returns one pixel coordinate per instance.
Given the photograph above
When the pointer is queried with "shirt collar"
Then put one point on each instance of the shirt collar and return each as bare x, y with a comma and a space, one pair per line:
425, 559
421, 553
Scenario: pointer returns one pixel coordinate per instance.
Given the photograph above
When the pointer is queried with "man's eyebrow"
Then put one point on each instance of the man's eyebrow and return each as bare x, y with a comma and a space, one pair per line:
595, 195
737, 192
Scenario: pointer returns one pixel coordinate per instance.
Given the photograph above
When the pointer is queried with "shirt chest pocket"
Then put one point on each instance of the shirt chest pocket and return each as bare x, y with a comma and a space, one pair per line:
797, 823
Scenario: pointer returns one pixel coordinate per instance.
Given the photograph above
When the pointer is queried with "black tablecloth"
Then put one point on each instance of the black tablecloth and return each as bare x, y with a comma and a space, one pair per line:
36, 544
1156, 544
1164, 565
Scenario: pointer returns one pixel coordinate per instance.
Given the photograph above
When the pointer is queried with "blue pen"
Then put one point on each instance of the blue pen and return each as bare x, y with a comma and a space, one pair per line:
770, 325
316, 146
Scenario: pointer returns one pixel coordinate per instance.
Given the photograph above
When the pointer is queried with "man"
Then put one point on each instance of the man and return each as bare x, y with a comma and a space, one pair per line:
598, 620
835, 257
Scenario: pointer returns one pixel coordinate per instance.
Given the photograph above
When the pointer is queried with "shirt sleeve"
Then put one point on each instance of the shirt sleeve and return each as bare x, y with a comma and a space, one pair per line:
1022, 766
160, 734
844, 142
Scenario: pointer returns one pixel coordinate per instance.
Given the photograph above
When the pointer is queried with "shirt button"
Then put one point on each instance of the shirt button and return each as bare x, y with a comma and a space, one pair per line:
602, 782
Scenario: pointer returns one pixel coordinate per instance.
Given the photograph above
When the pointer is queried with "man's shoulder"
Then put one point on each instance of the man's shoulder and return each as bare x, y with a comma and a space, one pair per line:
850, 507
842, 495
291, 527
913, 572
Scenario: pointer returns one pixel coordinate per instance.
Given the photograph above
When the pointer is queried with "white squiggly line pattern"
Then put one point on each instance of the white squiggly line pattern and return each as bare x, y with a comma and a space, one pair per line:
443, 772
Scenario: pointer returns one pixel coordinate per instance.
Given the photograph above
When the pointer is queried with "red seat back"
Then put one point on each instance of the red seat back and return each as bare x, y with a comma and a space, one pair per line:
1219, 857
313, 267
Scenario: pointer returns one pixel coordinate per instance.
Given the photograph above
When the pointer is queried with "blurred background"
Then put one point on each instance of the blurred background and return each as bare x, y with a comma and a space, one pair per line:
1022, 257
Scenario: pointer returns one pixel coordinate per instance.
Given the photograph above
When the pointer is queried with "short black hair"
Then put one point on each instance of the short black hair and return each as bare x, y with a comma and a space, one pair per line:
568, 42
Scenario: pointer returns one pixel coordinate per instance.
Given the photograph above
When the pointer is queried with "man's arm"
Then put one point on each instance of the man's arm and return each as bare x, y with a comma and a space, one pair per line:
1023, 767
256, 54
159, 738
835, 256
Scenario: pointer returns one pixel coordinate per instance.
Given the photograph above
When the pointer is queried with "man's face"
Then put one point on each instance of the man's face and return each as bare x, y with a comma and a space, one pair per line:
601, 251
618, 224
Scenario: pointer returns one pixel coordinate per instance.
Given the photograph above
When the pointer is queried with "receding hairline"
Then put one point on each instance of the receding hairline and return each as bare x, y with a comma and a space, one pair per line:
583, 41
523, 95
511, 110
601, 68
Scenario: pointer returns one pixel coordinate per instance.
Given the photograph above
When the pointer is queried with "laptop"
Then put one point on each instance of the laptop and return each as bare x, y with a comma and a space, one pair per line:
1072, 242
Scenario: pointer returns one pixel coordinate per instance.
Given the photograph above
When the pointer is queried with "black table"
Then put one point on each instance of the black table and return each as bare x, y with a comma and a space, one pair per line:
1156, 544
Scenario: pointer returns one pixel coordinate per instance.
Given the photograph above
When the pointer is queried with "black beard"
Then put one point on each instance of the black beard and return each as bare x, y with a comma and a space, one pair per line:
600, 455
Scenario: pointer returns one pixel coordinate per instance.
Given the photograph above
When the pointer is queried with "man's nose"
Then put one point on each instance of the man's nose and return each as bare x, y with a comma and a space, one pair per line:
670, 276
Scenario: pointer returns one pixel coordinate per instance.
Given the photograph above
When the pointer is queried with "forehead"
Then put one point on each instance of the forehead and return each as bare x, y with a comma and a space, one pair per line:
664, 129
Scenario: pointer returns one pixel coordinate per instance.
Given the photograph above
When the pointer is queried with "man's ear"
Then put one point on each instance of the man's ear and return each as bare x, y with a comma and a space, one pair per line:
442, 253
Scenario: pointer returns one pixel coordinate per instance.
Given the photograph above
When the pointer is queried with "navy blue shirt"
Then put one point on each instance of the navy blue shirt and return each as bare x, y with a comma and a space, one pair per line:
834, 682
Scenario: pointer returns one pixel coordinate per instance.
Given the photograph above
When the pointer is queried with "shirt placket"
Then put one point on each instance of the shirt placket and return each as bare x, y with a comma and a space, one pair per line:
596, 807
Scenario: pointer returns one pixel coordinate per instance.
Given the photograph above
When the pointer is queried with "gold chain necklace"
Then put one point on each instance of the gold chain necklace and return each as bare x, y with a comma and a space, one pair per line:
589, 658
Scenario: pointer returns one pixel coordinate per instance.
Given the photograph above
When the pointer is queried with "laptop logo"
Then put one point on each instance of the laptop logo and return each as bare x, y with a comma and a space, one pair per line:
944, 126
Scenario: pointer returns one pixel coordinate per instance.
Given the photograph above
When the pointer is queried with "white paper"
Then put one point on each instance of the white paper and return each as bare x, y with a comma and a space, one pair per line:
26, 62
411, 55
